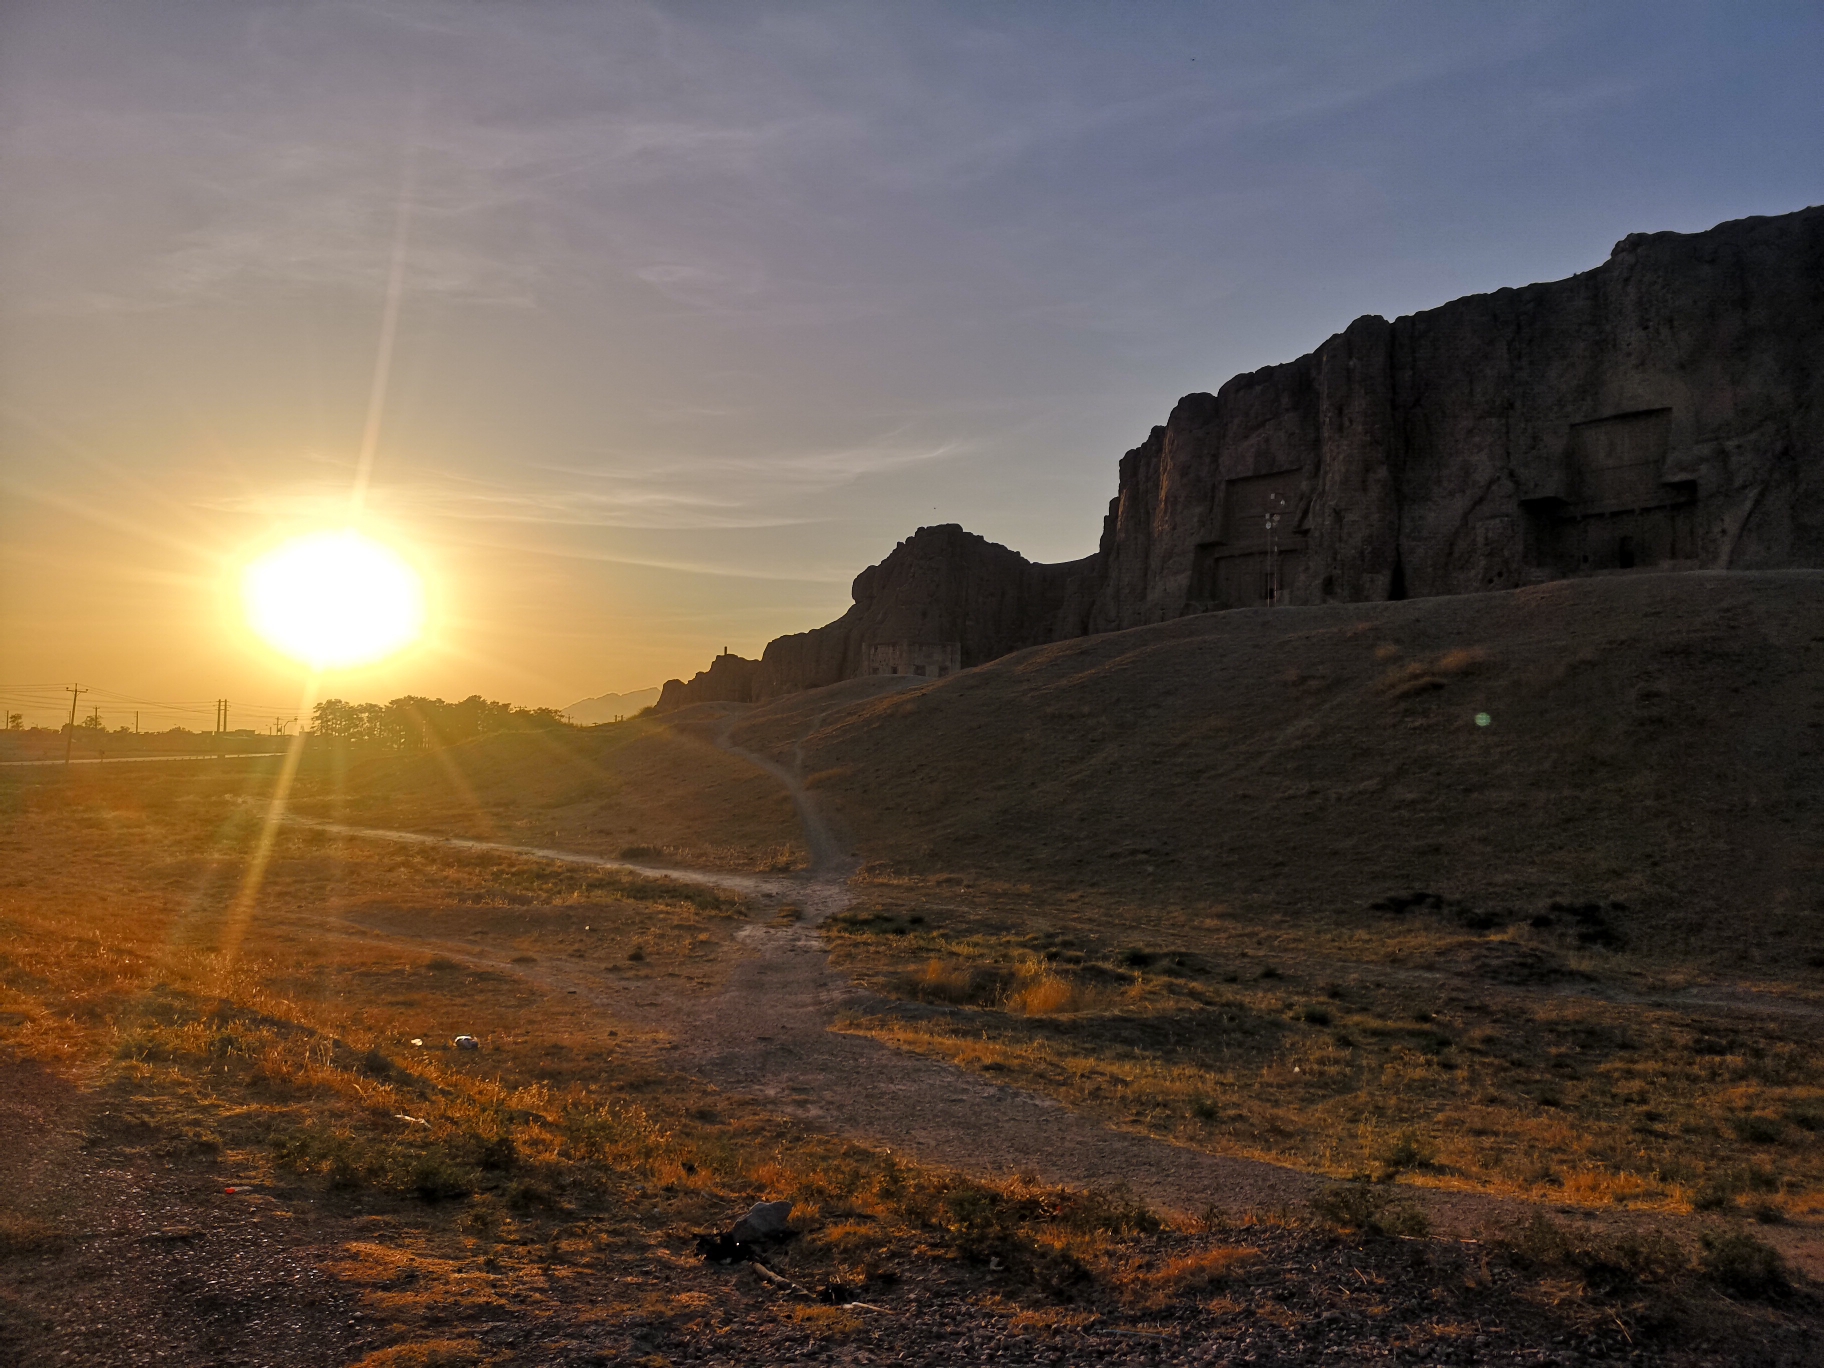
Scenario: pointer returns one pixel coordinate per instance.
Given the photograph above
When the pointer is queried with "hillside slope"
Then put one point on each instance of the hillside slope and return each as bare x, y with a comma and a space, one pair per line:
644, 786
1651, 756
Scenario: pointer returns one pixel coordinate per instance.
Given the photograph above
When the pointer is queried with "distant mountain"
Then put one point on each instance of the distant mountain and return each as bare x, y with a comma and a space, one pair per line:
610, 706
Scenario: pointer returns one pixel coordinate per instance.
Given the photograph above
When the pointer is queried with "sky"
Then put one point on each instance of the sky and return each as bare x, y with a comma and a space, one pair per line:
684, 313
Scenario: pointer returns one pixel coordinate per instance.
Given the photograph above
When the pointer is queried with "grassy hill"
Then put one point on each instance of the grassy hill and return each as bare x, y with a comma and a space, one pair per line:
1649, 771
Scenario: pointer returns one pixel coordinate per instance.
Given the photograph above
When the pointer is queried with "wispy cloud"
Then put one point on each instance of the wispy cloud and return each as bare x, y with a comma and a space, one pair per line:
706, 493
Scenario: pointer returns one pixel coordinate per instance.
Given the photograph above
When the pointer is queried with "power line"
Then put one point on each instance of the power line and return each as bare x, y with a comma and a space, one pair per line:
17, 697
69, 737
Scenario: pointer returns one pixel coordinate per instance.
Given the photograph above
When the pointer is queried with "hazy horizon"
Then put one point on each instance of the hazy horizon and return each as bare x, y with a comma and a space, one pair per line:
701, 311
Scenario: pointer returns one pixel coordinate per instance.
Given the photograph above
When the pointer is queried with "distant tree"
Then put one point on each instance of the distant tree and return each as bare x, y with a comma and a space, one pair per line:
418, 723
15, 721
91, 723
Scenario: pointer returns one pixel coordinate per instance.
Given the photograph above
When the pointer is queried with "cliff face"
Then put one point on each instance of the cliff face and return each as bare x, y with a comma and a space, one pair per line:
1664, 410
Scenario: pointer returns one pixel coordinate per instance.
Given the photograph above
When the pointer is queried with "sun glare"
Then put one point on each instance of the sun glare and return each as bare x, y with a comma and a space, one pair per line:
334, 599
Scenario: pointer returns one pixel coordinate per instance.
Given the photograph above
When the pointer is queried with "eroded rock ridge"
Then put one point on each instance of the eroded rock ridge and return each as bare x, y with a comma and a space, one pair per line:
1664, 410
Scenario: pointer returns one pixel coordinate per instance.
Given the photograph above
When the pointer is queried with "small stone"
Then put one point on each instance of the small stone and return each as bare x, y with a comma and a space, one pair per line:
764, 1221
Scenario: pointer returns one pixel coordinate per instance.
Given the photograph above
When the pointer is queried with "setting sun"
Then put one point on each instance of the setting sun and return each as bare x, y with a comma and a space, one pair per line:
334, 599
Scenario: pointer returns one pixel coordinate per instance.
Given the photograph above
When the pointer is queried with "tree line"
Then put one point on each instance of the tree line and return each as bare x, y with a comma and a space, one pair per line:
414, 723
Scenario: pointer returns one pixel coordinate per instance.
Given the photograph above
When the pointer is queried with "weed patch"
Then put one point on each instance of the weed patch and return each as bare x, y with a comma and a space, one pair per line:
1744, 1265
1364, 1210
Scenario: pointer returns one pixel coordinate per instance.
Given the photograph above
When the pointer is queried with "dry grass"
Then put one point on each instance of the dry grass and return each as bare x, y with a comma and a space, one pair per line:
1045, 994
1201, 1271
1338, 1049
291, 1061
279, 1050
1422, 676
439, 1353
945, 981
828, 1322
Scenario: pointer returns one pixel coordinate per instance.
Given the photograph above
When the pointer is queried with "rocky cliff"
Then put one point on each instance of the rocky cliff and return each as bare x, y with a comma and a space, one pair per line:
1664, 410
941, 584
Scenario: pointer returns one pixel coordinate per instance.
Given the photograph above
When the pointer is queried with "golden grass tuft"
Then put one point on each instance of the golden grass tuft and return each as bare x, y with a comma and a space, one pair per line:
1045, 995
1051, 1318
442, 1353
850, 1238
1424, 675
1463, 660
1201, 1271
827, 1322
944, 981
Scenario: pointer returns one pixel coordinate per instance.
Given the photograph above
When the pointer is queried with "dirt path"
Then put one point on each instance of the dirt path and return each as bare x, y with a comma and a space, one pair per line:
767, 1034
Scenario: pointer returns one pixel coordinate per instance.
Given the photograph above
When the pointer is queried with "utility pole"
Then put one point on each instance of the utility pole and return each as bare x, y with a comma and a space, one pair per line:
69, 737
136, 721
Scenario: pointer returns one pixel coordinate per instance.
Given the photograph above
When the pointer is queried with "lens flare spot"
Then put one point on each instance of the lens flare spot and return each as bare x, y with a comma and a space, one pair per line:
1483, 719
333, 599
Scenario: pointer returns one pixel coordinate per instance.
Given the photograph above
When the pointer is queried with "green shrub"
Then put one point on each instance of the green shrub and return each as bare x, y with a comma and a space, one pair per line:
344, 1173
1712, 1196
497, 1154
1607, 1265
526, 1194
1406, 1152
1743, 1265
1358, 1207
434, 1178
989, 1226
1757, 1129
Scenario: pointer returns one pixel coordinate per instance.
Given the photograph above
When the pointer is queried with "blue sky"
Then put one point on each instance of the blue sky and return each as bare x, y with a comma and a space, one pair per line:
703, 307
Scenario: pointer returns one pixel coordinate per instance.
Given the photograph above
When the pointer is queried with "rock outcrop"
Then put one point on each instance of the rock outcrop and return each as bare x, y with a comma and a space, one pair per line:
1663, 410
941, 584
729, 679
